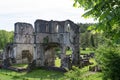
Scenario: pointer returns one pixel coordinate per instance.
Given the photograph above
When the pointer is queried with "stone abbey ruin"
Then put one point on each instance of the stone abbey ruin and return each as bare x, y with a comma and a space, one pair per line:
37, 46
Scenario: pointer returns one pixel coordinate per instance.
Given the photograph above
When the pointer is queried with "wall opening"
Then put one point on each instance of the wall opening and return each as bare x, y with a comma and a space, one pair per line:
26, 56
57, 57
68, 51
68, 28
56, 28
53, 56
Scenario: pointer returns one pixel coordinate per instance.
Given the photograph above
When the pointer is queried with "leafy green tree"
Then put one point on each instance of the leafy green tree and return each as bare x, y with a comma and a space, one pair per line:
107, 12
84, 27
92, 40
87, 38
108, 57
5, 37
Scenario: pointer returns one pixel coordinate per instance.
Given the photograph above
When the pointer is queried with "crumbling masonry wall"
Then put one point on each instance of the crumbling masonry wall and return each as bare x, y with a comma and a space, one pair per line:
38, 44
23, 41
50, 34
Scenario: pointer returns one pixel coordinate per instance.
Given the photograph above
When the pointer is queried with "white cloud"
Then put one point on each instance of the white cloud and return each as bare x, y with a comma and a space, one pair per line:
11, 6
12, 11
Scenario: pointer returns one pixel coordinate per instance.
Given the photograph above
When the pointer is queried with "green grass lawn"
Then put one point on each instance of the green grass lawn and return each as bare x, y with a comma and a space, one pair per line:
58, 62
87, 51
40, 74
34, 75
47, 75
20, 65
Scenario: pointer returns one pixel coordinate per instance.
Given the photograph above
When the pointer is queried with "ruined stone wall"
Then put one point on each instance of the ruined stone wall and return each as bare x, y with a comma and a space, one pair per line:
41, 42
56, 33
23, 40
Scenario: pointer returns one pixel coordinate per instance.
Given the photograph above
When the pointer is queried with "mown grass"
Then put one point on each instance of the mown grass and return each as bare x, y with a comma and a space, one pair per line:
48, 75
58, 62
40, 74
34, 75
20, 65
87, 51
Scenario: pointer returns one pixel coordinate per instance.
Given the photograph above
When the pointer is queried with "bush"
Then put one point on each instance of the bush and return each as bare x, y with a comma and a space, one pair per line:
74, 74
108, 57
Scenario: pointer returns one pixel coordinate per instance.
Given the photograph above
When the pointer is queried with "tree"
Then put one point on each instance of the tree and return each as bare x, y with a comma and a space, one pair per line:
108, 58
5, 37
107, 12
87, 38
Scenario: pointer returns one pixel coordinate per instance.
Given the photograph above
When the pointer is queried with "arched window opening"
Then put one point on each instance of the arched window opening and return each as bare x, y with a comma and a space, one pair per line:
68, 28
56, 28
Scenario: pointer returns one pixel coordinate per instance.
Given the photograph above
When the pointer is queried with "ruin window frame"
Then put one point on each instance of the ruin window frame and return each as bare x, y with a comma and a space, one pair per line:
56, 29
67, 27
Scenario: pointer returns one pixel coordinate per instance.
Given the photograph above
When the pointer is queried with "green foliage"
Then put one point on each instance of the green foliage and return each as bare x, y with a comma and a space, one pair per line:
58, 62
107, 12
84, 27
74, 74
108, 57
83, 74
5, 37
87, 38
93, 76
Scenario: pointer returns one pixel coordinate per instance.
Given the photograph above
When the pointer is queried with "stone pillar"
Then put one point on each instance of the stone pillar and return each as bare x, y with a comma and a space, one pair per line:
65, 60
76, 52
62, 57
40, 60
75, 56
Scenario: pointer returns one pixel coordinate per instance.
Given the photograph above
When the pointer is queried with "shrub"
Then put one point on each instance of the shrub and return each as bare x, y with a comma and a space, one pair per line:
108, 57
74, 74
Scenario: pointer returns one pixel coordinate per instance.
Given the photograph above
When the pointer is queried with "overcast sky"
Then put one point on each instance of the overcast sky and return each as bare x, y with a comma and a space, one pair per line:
12, 11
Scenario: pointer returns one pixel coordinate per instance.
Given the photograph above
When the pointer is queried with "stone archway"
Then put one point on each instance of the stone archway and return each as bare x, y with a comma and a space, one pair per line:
52, 52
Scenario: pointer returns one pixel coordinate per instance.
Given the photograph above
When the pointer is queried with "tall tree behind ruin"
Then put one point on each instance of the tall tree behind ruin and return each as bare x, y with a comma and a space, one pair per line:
5, 37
